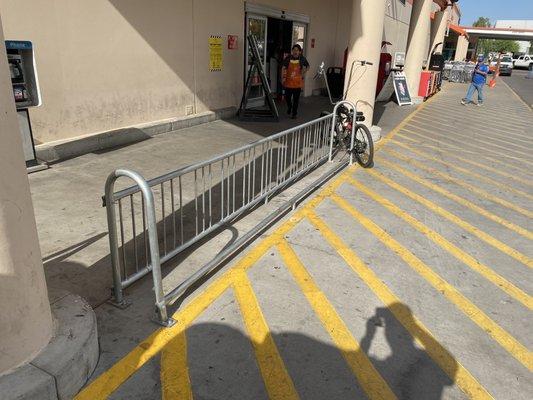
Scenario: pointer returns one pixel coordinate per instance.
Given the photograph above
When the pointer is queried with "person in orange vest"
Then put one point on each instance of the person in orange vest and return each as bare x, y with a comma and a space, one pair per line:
293, 73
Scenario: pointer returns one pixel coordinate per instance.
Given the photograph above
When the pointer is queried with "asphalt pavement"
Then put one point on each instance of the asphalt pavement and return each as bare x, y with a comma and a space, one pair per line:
522, 86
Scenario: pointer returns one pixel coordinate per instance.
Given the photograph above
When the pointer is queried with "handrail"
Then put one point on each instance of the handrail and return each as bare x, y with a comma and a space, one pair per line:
269, 165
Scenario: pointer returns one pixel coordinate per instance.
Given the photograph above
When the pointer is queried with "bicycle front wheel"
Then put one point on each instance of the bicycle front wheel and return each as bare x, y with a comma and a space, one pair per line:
363, 146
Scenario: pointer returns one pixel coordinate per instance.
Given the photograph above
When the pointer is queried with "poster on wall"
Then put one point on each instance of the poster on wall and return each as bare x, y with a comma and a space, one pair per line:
401, 89
215, 53
233, 41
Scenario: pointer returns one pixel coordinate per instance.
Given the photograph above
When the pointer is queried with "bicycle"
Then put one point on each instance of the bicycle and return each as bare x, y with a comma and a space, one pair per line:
363, 146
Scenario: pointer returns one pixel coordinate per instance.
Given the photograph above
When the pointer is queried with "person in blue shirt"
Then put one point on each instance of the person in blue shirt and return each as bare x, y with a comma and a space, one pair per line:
479, 78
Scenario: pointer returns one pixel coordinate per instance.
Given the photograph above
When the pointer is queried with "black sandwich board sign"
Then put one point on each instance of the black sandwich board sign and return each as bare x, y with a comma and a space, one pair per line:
401, 89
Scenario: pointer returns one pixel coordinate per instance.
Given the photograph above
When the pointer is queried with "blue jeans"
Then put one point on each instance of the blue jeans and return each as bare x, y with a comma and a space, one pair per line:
473, 87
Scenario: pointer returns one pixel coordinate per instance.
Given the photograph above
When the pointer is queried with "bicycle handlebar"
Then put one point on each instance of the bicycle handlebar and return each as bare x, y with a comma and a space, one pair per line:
364, 62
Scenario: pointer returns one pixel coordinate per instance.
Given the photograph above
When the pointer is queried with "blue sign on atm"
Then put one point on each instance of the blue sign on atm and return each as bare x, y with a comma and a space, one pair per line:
18, 45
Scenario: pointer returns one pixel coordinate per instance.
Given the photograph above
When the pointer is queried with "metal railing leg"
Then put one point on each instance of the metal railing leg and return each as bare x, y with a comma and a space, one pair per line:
161, 316
332, 133
118, 299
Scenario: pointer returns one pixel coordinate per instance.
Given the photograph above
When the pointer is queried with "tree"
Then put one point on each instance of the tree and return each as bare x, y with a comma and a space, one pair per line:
487, 46
483, 22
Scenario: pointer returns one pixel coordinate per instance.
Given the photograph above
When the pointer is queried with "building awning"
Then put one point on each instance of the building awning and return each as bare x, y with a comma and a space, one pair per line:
460, 31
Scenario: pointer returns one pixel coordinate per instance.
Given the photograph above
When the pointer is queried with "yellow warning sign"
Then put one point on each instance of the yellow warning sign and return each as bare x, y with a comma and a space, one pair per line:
215, 53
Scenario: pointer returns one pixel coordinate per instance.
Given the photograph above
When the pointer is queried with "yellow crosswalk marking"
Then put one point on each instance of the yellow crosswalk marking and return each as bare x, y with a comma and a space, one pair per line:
461, 147
459, 254
370, 379
175, 382
488, 134
498, 153
442, 357
459, 182
110, 380
277, 380
491, 181
451, 217
516, 129
508, 342
451, 154
517, 125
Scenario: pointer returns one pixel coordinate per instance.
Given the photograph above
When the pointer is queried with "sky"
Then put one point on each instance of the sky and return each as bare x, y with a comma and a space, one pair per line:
495, 10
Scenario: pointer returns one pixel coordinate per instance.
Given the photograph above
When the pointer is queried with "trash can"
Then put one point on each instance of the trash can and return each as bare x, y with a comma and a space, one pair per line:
335, 77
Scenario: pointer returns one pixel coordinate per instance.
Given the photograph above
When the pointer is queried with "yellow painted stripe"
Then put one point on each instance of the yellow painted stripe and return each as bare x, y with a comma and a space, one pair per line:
460, 200
408, 138
479, 133
442, 357
371, 381
461, 255
491, 181
448, 215
175, 381
278, 383
498, 153
462, 148
402, 124
466, 185
451, 154
110, 380
516, 128
508, 342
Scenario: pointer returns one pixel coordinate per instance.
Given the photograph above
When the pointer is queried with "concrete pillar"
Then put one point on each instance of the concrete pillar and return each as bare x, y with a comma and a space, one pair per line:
25, 317
417, 43
462, 48
366, 34
438, 30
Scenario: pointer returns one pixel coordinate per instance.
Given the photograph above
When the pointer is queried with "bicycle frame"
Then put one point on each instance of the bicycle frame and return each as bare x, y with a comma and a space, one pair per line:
333, 124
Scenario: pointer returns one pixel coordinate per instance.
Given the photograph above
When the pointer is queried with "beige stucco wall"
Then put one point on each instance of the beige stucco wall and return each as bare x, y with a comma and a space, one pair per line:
107, 64
396, 27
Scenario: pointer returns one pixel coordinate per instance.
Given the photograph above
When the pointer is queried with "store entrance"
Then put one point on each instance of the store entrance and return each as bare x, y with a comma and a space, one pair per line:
275, 37
279, 43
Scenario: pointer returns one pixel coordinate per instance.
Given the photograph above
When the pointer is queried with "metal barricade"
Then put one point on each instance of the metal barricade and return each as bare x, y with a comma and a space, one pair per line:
460, 72
154, 220
456, 72
468, 71
447, 70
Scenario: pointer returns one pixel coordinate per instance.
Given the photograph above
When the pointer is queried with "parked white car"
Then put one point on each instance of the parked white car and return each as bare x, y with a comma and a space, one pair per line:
506, 65
523, 61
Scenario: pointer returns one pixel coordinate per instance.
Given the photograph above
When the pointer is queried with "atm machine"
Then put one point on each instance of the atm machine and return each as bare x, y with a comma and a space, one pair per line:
26, 94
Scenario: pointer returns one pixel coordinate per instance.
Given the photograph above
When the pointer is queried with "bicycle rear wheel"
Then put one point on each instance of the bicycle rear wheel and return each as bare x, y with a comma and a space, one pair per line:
363, 146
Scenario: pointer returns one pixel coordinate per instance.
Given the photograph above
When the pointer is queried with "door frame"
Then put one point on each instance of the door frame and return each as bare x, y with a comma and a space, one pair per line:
262, 11
254, 101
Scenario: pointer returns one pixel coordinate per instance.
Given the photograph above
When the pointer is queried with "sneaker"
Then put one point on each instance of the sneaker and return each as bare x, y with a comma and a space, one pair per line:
463, 102
479, 104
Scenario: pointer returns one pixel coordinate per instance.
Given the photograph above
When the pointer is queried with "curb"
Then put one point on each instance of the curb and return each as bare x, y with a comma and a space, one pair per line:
65, 364
64, 149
